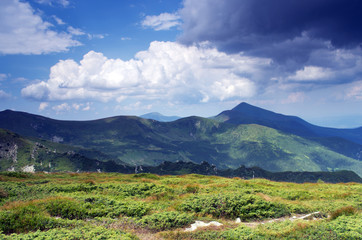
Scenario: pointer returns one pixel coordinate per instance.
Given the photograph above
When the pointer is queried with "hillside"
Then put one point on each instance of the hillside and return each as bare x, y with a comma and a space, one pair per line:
245, 113
138, 141
26, 154
146, 206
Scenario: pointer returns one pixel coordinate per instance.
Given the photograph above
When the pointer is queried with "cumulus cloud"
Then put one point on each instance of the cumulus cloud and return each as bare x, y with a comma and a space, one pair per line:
312, 73
167, 70
81, 106
265, 27
24, 32
61, 107
43, 106
164, 21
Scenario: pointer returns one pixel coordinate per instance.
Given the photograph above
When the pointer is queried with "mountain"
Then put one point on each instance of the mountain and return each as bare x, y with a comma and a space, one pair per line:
245, 113
18, 153
159, 117
137, 141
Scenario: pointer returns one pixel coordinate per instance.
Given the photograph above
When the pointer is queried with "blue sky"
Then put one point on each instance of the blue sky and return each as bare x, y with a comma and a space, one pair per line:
88, 59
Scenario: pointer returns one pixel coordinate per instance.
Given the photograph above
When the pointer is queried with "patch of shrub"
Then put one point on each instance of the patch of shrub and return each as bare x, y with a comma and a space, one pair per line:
190, 188
138, 189
147, 175
83, 233
344, 211
166, 220
242, 232
66, 208
16, 174
24, 218
101, 207
298, 195
244, 206
3, 193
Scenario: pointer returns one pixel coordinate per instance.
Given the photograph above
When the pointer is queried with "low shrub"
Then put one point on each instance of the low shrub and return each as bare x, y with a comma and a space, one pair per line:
3, 193
66, 208
166, 220
344, 211
16, 174
244, 206
24, 218
83, 233
102, 207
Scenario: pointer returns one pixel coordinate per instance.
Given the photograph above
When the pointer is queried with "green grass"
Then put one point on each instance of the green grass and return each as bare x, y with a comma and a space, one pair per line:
145, 206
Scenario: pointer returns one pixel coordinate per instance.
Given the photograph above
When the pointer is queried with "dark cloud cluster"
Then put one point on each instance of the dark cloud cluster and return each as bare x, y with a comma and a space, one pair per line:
280, 29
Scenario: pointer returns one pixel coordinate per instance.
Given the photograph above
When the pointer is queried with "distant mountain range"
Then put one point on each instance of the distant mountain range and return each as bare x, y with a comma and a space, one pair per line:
159, 117
246, 135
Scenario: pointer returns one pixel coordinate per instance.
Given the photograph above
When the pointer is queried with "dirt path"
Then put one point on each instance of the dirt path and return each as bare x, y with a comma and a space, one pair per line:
310, 216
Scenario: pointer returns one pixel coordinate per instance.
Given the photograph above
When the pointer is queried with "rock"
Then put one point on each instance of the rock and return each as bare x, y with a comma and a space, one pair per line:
198, 224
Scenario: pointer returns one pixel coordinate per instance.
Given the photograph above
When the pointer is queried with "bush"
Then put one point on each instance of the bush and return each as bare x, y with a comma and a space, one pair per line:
346, 211
3, 193
83, 233
23, 219
102, 207
66, 208
16, 174
166, 220
245, 206
242, 232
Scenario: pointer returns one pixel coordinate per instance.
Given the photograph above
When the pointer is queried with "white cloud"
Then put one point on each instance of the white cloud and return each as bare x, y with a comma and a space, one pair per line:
355, 92
63, 3
96, 36
295, 97
58, 20
43, 106
4, 95
3, 76
75, 31
24, 32
62, 107
166, 71
312, 73
81, 106
164, 21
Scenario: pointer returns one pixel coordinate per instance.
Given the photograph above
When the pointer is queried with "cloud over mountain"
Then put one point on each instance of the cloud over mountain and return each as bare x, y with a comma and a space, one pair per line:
166, 71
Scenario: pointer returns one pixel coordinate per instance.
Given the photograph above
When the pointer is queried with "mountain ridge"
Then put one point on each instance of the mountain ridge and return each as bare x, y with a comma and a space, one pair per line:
245, 113
138, 141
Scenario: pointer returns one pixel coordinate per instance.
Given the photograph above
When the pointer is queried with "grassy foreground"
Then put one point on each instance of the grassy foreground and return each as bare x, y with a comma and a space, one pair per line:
147, 206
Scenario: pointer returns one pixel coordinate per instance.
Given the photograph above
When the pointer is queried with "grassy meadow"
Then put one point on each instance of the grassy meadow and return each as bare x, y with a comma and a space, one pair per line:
147, 206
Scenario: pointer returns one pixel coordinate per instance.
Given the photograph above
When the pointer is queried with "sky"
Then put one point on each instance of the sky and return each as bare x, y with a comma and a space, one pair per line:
90, 59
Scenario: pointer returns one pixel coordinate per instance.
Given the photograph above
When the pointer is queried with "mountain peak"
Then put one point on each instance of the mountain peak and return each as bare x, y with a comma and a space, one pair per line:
244, 106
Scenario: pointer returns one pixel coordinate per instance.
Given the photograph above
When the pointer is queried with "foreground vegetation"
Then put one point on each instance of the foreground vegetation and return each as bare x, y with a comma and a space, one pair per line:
147, 206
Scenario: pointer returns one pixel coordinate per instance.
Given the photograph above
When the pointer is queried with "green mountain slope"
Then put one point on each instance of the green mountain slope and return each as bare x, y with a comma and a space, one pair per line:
245, 113
138, 141
19, 153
